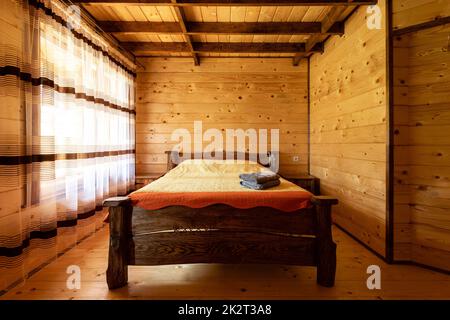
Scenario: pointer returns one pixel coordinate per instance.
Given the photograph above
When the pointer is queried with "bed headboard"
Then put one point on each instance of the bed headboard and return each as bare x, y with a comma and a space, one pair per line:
174, 156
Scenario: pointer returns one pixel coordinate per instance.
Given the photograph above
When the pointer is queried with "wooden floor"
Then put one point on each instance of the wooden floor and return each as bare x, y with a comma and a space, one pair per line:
231, 281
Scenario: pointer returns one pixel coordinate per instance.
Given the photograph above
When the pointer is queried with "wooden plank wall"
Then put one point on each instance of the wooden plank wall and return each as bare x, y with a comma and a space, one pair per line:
402, 230
411, 12
348, 127
423, 159
222, 93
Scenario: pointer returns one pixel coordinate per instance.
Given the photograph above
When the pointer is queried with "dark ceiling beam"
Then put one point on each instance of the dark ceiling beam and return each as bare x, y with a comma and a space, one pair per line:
234, 2
179, 11
327, 24
238, 28
303, 28
266, 47
156, 47
134, 27
218, 47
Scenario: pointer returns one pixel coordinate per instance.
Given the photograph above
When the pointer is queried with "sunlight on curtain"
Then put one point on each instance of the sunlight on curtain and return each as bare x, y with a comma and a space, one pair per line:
66, 133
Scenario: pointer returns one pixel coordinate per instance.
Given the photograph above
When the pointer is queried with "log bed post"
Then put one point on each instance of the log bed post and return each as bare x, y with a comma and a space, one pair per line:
121, 246
326, 248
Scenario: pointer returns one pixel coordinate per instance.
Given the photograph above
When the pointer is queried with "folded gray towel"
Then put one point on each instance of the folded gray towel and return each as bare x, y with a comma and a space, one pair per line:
260, 186
259, 177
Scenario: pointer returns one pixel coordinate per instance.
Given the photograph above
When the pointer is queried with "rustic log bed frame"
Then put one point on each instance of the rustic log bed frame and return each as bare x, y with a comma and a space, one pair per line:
220, 234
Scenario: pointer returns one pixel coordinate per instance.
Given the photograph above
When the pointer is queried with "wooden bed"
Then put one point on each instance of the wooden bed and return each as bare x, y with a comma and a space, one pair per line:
220, 234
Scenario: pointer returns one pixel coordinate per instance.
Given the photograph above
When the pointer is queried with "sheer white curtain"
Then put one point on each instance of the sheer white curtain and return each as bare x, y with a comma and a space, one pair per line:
67, 138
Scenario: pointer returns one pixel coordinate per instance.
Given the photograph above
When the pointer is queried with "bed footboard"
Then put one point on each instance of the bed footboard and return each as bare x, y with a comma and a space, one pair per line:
220, 234
326, 248
121, 245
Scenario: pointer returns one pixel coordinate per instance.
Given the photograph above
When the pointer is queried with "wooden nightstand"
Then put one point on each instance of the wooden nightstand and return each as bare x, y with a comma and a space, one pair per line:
308, 182
144, 180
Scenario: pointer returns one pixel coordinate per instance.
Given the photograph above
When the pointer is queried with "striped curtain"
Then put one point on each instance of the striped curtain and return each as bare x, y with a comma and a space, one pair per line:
66, 132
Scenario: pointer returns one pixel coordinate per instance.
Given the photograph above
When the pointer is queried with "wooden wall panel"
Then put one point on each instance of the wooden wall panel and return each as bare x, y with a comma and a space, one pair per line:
407, 13
223, 94
348, 127
402, 227
422, 154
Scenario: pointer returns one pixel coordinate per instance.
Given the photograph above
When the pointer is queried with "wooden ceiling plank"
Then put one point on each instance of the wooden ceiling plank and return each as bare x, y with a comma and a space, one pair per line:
137, 13
237, 14
282, 15
237, 28
209, 14
186, 3
252, 15
224, 15
151, 13
280, 28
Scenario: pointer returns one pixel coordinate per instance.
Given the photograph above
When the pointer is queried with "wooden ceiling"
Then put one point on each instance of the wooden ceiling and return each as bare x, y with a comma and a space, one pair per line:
222, 28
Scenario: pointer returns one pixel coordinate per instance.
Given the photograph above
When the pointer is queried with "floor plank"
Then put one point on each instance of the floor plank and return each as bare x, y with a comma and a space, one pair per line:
203, 281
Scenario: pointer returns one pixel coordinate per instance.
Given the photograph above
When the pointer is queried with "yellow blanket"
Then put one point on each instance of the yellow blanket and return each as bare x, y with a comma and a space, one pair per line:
200, 175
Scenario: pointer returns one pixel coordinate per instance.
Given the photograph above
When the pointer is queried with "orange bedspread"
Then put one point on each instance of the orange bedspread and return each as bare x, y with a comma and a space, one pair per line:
285, 201
200, 183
